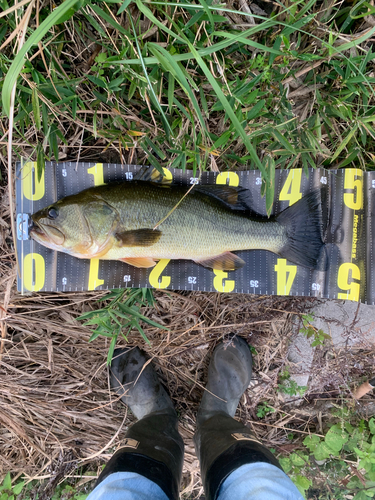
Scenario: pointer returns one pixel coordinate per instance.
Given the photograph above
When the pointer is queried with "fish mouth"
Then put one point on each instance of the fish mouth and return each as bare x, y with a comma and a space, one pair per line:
47, 235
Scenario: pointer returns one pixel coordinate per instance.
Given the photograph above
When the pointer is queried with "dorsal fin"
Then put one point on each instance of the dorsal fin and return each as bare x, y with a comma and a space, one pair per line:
235, 198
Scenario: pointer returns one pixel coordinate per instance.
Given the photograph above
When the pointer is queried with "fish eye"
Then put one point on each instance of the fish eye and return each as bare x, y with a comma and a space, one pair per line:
52, 213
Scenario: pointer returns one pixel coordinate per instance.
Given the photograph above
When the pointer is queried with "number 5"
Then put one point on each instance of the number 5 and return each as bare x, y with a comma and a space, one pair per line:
353, 180
352, 288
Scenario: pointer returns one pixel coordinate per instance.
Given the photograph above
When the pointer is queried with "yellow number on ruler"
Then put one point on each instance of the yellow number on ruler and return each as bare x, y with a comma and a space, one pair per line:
34, 272
167, 174
97, 172
230, 178
94, 280
32, 188
221, 283
291, 190
344, 283
154, 277
167, 177
353, 180
285, 274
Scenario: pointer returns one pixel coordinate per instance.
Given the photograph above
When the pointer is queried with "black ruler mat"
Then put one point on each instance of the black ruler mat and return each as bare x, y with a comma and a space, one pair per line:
349, 236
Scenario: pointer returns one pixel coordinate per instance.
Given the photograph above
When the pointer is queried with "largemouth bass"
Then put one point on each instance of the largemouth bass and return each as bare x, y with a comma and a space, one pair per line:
120, 221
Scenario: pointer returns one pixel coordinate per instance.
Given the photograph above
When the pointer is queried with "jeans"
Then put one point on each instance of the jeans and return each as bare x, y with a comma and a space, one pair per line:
255, 481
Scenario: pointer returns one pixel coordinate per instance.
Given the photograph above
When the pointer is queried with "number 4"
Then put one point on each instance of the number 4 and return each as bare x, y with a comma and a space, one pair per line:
285, 276
291, 190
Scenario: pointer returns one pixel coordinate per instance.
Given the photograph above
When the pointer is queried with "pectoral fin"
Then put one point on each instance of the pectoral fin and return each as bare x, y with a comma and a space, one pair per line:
225, 262
137, 237
139, 261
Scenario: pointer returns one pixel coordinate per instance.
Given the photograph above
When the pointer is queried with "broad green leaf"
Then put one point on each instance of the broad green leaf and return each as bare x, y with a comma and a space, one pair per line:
286, 464
297, 460
7, 483
311, 442
371, 424
322, 451
302, 483
336, 438
17, 488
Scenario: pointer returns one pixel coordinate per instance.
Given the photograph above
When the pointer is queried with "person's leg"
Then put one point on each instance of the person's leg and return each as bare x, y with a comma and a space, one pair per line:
149, 465
233, 463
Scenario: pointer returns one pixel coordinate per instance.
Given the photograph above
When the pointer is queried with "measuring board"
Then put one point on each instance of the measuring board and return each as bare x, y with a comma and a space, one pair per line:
349, 231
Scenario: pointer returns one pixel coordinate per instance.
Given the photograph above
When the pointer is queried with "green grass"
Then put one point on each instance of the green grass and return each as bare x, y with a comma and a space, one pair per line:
183, 85
120, 315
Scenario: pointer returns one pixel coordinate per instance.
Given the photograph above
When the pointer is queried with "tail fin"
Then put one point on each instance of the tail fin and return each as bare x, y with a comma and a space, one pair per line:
303, 224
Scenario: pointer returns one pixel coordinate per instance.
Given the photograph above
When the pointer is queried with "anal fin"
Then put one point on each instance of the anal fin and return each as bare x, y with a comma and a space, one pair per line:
226, 261
143, 262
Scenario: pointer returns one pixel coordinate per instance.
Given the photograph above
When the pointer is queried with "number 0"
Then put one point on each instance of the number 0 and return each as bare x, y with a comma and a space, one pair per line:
34, 272
33, 189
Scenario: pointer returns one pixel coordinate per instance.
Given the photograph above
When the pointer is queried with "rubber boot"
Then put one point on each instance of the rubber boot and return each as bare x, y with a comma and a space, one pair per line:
223, 444
153, 446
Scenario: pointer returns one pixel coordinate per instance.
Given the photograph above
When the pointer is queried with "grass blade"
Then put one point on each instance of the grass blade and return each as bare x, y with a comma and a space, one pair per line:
19, 60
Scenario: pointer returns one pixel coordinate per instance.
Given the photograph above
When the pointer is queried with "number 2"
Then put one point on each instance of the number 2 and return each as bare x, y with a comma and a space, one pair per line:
155, 278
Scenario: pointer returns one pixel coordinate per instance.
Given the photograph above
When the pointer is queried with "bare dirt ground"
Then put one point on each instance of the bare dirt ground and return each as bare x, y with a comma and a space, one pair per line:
58, 416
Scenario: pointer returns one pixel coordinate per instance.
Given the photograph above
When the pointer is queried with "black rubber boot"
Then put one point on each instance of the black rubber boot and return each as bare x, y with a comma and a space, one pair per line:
223, 444
153, 446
